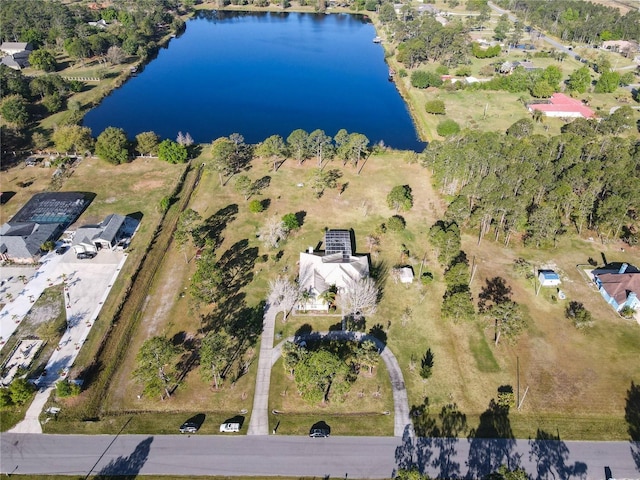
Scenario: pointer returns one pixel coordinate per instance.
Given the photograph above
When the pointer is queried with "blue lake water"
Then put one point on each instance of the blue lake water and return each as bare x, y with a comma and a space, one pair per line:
260, 74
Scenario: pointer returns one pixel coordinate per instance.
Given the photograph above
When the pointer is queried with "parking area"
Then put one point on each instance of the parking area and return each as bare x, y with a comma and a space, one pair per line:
87, 284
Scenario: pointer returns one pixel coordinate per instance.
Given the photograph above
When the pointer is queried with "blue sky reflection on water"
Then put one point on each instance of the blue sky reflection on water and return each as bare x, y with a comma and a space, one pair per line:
260, 74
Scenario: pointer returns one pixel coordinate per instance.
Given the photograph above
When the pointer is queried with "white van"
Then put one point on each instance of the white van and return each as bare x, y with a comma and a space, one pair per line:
230, 427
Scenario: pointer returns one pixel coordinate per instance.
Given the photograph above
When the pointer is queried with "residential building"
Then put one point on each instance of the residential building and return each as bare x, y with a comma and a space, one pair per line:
560, 105
619, 285
334, 268
43, 218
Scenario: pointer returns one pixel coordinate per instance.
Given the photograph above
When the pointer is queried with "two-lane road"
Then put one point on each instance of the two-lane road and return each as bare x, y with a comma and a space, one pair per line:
346, 457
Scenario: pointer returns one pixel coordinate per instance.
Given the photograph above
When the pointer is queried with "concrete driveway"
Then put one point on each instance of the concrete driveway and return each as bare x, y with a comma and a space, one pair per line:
87, 285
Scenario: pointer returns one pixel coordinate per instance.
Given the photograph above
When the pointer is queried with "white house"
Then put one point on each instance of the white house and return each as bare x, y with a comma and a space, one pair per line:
335, 267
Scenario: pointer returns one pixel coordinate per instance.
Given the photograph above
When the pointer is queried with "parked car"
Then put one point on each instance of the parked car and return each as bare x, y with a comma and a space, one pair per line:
85, 255
231, 427
319, 433
61, 250
188, 427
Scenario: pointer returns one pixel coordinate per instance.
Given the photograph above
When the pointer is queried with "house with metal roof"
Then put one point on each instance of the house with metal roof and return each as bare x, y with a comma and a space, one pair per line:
334, 268
559, 105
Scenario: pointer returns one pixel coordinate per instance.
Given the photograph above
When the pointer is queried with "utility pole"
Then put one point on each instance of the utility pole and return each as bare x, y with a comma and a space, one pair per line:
518, 380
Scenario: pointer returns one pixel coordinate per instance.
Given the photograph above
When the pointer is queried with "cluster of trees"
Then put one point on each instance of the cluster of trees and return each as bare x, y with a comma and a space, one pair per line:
326, 372
134, 26
421, 39
301, 145
26, 99
18, 392
577, 21
539, 83
540, 187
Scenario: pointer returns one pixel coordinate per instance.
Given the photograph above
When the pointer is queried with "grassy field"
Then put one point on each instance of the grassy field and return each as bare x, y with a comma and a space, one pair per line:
577, 380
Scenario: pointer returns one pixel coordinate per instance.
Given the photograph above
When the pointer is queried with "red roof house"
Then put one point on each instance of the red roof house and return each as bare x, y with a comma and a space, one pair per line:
559, 105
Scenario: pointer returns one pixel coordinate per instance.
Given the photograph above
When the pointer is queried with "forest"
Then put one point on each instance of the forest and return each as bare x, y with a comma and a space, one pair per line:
588, 177
577, 21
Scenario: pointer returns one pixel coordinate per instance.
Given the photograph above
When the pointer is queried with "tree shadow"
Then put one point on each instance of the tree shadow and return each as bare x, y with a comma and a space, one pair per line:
237, 265
212, 228
632, 412
261, 184
550, 454
453, 423
127, 468
304, 329
414, 453
494, 292
225, 311
492, 444
300, 216
379, 272
266, 203
378, 332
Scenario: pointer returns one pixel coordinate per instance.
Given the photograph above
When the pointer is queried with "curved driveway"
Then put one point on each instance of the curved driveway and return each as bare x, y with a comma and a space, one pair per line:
402, 421
259, 420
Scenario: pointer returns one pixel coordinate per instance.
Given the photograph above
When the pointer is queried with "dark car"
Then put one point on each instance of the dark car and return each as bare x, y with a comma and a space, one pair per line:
319, 433
85, 255
188, 427
62, 250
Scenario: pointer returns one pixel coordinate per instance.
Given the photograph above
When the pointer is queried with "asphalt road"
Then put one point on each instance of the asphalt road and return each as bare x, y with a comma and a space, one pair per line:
346, 457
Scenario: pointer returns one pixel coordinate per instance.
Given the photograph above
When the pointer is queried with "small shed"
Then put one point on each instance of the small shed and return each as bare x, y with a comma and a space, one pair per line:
548, 278
405, 274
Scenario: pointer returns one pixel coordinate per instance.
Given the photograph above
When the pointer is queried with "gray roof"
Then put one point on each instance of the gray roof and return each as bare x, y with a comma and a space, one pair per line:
23, 240
106, 231
13, 47
44, 217
17, 62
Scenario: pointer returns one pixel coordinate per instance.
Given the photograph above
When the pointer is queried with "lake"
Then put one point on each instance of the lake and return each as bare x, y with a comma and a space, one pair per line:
260, 74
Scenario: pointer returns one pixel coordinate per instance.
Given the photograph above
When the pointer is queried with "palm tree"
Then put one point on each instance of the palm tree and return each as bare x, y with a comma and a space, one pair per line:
329, 296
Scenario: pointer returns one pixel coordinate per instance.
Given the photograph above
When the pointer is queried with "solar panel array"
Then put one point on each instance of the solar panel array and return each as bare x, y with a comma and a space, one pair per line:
338, 241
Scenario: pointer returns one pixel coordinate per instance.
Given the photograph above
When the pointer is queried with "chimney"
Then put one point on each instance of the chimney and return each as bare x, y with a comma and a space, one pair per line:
623, 268
310, 250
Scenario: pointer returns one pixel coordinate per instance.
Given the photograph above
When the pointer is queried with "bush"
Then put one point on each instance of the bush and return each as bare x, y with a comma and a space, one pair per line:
435, 107
21, 391
396, 223
64, 388
5, 397
447, 127
426, 278
580, 316
424, 79
255, 206
290, 222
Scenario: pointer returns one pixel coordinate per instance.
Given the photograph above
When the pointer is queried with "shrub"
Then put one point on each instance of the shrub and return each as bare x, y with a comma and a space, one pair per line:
426, 278
435, 107
426, 365
290, 222
580, 316
448, 127
5, 397
64, 388
256, 206
21, 391
424, 79
627, 312
396, 223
